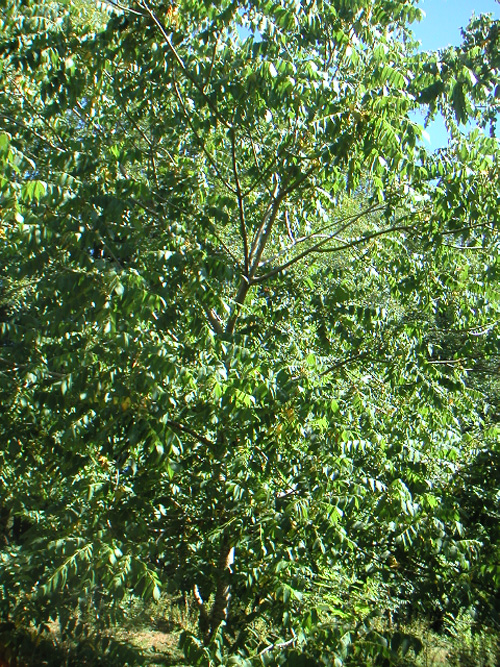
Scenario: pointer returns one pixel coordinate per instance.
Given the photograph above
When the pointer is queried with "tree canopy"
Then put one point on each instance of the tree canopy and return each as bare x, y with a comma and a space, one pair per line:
249, 322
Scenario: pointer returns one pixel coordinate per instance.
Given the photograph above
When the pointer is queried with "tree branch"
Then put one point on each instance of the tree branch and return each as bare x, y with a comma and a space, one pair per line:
318, 247
214, 321
123, 8
33, 132
264, 231
211, 64
266, 171
267, 215
241, 205
185, 429
341, 225
198, 138
343, 362
224, 245
239, 300
180, 62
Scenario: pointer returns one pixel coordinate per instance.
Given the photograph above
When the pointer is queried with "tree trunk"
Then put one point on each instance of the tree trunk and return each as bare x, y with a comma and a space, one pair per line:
209, 621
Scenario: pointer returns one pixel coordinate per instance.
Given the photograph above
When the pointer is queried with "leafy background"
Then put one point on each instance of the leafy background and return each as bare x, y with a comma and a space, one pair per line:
249, 339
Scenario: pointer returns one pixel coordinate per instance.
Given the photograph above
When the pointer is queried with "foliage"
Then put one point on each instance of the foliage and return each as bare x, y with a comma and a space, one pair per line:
472, 645
245, 315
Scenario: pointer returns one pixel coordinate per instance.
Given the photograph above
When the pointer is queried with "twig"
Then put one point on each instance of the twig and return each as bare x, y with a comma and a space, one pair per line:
124, 8
180, 62
271, 647
198, 138
341, 225
211, 64
318, 247
185, 429
344, 362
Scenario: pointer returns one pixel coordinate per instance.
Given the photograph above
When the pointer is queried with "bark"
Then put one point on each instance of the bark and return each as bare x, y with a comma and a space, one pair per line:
5, 519
210, 621
222, 592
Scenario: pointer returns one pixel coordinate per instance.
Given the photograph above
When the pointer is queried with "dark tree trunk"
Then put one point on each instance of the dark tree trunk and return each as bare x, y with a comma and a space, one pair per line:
209, 621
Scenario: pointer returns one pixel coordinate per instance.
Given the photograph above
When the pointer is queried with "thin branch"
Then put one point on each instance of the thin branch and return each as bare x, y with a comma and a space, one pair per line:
181, 64
36, 113
447, 362
198, 138
343, 362
211, 64
185, 429
241, 205
131, 120
224, 245
264, 231
289, 229
239, 300
259, 243
262, 225
479, 330
263, 173
485, 331
124, 8
341, 225
280, 645
286, 482
34, 132
106, 247
479, 225
465, 247
214, 320
150, 144
295, 184
318, 247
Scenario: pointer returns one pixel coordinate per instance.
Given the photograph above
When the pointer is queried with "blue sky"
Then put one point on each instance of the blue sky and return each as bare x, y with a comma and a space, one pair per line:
440, 28
444, 18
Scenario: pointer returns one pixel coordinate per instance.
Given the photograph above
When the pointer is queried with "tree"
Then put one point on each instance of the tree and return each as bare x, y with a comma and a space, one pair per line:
231, 252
